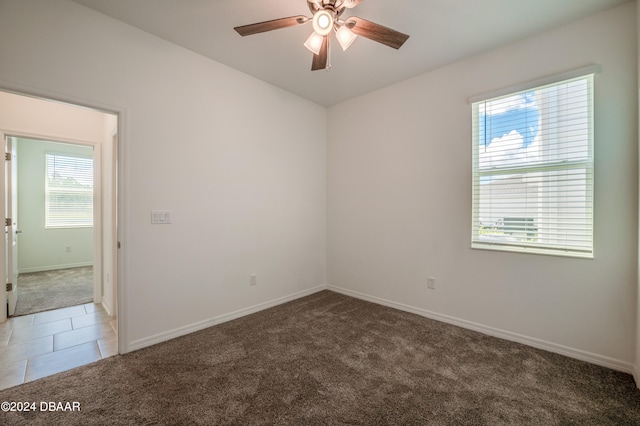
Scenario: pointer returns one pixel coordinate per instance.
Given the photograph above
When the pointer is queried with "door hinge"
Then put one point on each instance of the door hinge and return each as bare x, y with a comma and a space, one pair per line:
7, 156
9, 286
7, 222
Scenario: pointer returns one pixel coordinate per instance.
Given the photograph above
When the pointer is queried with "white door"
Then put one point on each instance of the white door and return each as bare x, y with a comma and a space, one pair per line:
3, 247
11, 200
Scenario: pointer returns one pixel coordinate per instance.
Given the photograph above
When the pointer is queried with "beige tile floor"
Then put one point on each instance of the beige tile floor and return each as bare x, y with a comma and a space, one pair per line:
38, 345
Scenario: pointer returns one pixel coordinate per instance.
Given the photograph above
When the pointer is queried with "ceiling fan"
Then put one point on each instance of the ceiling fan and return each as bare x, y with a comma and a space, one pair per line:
325, 19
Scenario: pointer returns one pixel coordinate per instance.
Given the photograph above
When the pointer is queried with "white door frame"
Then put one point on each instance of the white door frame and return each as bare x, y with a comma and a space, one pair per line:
119, 198
3, 246
11, 231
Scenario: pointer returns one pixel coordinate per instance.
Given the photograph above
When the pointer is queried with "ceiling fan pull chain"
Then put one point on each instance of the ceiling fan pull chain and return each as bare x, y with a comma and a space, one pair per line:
328, 67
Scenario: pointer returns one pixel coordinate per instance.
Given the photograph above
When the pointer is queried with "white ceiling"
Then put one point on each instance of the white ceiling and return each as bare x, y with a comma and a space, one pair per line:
441, 32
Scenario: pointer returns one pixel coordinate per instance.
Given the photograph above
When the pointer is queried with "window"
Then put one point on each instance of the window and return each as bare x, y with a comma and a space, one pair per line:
68, 191
533, 170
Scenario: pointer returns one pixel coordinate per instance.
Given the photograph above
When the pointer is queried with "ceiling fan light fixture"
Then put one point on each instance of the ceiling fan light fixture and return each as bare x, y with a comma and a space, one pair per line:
325, 19
345, 37
314, 43
323, 22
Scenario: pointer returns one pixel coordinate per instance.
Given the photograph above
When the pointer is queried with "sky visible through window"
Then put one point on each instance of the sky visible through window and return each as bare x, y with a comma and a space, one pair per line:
508, 128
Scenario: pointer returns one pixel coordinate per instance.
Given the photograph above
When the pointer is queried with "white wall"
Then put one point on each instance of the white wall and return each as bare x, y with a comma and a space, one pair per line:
399, 200
58, 121
42, 249
240, 163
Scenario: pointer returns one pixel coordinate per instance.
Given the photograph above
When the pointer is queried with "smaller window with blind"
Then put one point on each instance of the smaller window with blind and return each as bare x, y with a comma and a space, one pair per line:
533, 170
68, 191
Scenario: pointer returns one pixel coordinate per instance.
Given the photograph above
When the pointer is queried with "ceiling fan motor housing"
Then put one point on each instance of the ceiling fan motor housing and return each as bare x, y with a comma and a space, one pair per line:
323, 21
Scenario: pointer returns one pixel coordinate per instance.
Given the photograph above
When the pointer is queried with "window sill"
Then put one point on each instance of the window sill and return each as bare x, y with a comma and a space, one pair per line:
530, 250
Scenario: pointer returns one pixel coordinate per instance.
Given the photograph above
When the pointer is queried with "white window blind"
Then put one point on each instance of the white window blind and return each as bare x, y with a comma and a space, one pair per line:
533, 170
68, 191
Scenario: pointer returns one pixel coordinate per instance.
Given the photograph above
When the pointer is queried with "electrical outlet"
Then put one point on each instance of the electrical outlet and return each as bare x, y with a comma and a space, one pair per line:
67, 249
253, 279
431, 283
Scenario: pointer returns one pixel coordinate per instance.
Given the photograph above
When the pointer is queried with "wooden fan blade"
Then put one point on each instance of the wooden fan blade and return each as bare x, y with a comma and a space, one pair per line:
274, 24
376, 32
320, 61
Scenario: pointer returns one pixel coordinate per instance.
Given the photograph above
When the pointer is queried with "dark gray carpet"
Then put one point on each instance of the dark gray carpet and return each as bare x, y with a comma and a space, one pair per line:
43, 291
328, 359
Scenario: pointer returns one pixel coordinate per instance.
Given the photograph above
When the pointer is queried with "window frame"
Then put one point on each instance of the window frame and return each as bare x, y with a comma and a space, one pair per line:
587, 164
59, 223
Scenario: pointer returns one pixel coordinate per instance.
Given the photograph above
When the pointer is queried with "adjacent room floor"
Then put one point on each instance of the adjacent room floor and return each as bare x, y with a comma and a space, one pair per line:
54, 289
46, 343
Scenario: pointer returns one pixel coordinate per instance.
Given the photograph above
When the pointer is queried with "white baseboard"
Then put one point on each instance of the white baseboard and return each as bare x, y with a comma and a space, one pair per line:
55, 267
191, 328
592, 358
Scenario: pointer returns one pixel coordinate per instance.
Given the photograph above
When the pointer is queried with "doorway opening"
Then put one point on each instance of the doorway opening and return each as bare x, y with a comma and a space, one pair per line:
57, 140
68, 139
52, 241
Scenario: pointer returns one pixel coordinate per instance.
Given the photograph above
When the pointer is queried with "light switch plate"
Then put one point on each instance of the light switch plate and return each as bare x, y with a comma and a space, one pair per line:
160, 217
